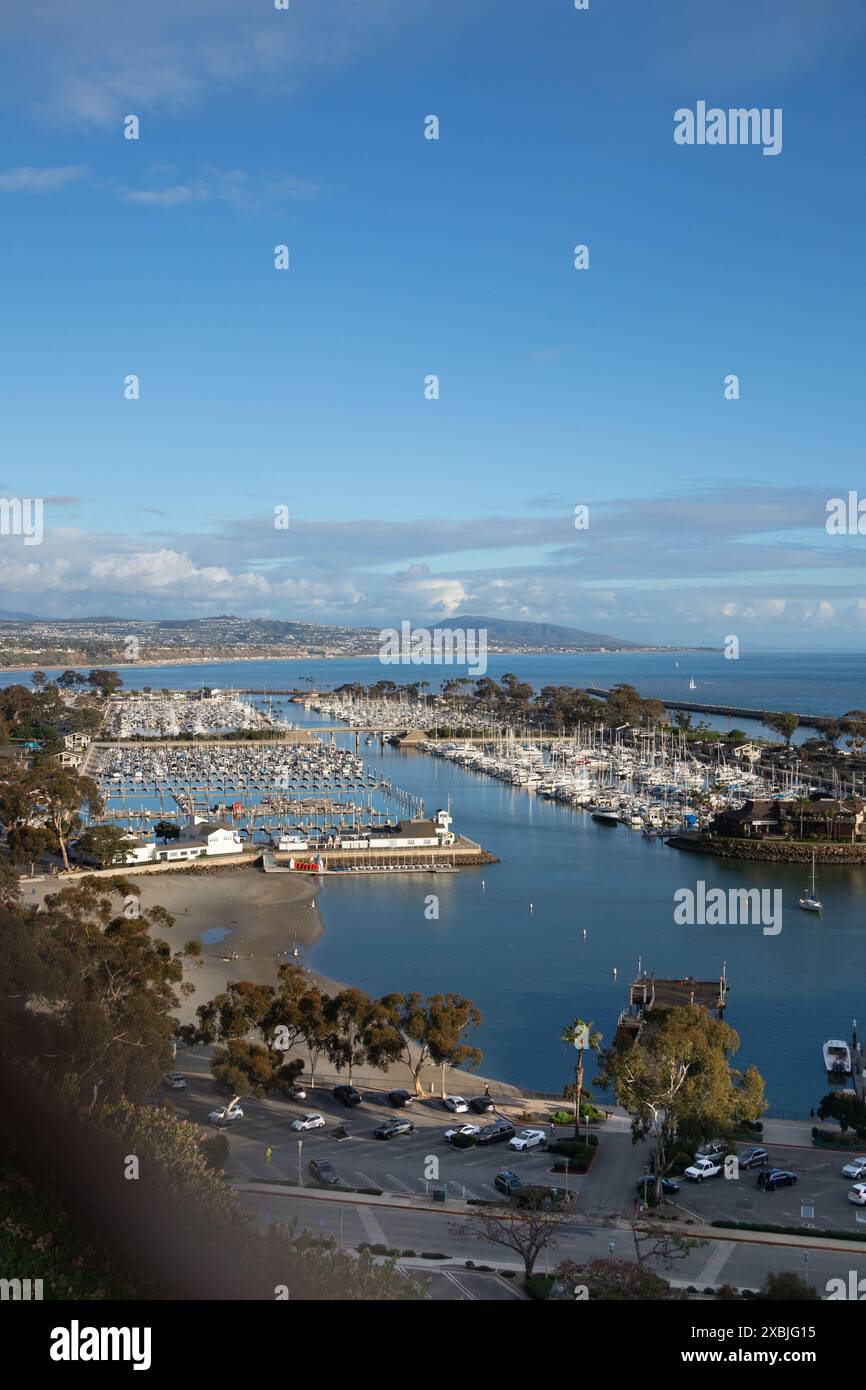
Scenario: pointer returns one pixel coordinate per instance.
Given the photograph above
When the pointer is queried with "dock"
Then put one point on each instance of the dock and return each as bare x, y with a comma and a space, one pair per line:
464, 853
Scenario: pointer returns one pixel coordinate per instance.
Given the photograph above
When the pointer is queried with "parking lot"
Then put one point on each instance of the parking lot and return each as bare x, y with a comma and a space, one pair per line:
409, 1164
413, 1164
820, 1184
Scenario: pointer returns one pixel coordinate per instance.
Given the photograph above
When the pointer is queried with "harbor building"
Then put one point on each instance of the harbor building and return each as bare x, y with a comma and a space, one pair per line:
215, 837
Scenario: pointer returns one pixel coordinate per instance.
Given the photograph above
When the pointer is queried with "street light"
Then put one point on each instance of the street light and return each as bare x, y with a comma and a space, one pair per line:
300, 1171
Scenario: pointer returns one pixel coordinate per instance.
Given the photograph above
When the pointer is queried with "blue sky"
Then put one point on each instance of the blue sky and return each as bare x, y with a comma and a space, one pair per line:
305, 388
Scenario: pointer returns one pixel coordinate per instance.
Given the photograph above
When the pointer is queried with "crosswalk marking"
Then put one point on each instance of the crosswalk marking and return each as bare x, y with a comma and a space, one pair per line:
372, 1229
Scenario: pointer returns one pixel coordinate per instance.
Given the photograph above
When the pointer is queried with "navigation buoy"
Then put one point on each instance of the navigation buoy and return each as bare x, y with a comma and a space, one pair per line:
614, 972
530, 907
584, 933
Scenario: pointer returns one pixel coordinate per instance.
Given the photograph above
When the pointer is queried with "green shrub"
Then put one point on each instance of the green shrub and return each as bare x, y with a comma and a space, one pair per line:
539, 1285
464, 1141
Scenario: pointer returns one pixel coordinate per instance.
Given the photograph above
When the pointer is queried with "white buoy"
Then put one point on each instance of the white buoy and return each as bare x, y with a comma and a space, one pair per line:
584, 933
482, 883
614, 972
530, 907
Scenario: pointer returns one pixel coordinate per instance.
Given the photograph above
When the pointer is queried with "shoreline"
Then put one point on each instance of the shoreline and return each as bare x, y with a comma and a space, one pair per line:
829, 852
107, 665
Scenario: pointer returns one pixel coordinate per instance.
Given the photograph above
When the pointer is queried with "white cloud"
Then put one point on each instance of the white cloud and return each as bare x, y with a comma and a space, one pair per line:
28, 179
166, 197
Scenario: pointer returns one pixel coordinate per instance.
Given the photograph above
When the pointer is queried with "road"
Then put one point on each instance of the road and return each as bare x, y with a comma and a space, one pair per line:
407, 1166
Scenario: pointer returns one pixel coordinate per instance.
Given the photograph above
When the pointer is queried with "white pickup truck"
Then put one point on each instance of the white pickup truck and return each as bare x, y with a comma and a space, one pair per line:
703, 1168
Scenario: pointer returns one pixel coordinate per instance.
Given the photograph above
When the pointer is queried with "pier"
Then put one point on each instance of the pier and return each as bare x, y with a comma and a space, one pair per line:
464, 853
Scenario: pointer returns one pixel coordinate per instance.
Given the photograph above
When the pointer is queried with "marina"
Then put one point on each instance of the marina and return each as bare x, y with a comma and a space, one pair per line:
601, 896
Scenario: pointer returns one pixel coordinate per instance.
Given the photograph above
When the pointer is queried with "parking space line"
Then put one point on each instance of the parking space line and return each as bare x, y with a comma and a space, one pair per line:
399, 1181
368, 1181
466, 1293
462, 1191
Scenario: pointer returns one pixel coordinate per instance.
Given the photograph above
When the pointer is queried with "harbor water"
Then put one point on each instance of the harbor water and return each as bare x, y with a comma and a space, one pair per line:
560, 926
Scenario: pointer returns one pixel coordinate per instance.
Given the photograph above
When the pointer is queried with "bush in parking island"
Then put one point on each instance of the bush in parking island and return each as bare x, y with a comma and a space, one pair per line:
464, 1141
575, 1154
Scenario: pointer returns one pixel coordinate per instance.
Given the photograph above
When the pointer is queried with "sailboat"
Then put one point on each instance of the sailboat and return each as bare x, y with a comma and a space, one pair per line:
808, 901
692, 685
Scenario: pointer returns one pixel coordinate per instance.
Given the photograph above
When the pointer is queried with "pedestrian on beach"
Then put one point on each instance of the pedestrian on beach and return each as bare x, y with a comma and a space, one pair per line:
487, 1090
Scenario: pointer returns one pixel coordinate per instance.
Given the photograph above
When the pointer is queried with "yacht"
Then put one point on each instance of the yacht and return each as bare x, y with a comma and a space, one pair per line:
837, 1057
808, 901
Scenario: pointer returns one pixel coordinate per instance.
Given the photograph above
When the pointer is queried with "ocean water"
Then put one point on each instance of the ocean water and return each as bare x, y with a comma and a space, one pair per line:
819, 683
562, 924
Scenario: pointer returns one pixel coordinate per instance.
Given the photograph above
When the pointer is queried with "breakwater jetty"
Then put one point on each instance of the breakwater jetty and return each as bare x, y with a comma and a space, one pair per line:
770, 851
812, 721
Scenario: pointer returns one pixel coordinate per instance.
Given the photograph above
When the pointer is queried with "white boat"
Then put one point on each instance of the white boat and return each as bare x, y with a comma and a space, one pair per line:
808, 901
692, 685
837, 1057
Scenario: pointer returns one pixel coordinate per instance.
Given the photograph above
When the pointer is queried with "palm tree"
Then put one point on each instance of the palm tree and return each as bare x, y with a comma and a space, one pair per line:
581, 1036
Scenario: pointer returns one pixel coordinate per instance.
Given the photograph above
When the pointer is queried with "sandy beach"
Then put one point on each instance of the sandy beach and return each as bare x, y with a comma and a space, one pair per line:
262, 917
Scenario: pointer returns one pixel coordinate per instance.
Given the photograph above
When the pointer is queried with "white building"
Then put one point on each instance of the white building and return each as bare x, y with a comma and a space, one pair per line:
214, 837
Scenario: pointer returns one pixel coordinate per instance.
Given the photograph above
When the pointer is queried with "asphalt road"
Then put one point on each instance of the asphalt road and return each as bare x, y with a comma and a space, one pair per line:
408, 1165
712, 1264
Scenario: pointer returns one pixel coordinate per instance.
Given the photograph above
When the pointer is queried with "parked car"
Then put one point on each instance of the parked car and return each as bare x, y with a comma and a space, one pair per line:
482, 1105
456, 1104
855, 1169
467, 1131
713, 1148
174, 1081
646, 1186
703, 1168
312, 1120
507, 1182
297, 1092
226, 1117
399, 1098
857, 1194
497, 1132
347, 1095
752, 1158
323, 1171
390, 1128
528, 1139
770, 1179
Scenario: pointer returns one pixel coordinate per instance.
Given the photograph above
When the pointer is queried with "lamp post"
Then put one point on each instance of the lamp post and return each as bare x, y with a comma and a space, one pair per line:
300, 1170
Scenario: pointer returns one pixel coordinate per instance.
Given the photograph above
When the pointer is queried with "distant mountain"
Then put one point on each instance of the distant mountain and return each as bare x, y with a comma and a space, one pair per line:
512, 633
7, 617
